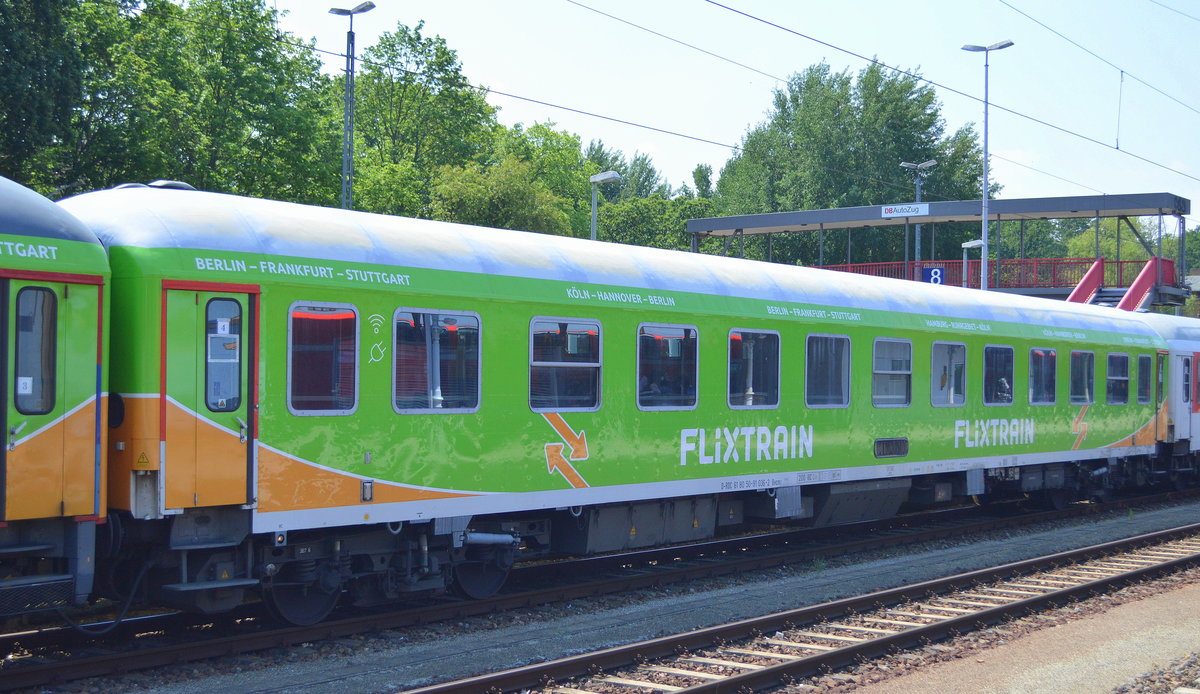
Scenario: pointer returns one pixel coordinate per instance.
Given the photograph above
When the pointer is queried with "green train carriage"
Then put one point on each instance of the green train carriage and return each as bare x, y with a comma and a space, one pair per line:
53, 345
317, 399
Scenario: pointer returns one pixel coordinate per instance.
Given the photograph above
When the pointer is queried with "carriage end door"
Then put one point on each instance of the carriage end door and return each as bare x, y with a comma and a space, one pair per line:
50, 463
208, 408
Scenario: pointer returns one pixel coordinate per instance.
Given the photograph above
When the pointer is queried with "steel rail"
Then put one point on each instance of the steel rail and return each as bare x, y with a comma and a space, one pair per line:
717, 558
538, 675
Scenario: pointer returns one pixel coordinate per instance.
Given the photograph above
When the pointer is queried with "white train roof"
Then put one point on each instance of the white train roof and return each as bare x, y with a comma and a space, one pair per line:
23, 212
164, 218
1175, 329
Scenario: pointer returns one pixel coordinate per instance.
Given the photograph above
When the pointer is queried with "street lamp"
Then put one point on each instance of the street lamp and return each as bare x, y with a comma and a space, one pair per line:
919, 172
348, 120
977, 243
983, 268
602, 177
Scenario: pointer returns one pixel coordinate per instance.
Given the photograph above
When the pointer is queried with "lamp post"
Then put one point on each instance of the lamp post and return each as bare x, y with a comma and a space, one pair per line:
983, 282
602, 177
977, 243
348, 120
919, 172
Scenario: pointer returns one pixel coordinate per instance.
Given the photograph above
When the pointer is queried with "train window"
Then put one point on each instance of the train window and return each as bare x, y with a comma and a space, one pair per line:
997, 375
564, 366
948, 383
891, 373
1083, 377
35, 361
322, 359
1043, 363
1185, 388
1145, 367
667, 367
1118, 379
827, 377
223, 355
753, 369
436, 361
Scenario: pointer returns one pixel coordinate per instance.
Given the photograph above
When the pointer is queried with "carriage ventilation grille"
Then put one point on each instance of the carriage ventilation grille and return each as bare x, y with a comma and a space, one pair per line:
891, 448
35, 597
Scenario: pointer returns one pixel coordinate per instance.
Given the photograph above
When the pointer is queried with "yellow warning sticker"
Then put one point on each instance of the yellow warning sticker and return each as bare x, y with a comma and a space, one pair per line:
142, 459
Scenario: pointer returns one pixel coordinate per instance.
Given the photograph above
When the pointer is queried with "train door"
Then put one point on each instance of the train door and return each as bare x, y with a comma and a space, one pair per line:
209, 404
1194, 410
52, 424
1180, 393
1160, 367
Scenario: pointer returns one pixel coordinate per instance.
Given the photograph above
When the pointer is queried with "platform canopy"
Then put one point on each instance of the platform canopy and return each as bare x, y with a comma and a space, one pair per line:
1088, 206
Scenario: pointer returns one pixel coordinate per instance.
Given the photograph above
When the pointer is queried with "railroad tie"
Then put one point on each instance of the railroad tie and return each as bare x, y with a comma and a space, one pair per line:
1135, 563
897, 622
1004, 599
640, 683
723, 663
831, 637
1033, 587
683, 673
920, 615
869, 630
1009, 591
796, 644
952, 609
973, 603
762, 654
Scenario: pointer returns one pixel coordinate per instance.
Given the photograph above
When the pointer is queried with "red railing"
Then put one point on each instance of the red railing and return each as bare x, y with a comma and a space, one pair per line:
1011, 273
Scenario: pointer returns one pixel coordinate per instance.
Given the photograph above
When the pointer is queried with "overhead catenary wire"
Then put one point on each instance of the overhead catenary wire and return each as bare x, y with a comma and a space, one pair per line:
1095, 55
781, 79
1033, 119
279, 38
1176, 11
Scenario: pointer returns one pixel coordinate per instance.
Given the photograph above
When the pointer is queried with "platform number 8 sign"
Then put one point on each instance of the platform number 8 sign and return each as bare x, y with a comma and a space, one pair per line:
933, 275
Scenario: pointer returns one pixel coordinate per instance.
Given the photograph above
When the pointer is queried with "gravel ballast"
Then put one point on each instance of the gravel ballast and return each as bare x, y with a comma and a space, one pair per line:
407, 658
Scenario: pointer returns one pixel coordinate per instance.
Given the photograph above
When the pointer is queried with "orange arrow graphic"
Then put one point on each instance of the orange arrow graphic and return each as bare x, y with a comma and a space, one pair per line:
577, 442
1079, 427
556, 462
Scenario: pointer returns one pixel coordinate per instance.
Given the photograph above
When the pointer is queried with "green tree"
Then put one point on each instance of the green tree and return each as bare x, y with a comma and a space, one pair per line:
555, 159
207, 93
837, 140
255, 106
506, 195
41, 79
653, 221
606, 159
415, 111
1043, 238
1082, 241
641, 179
702, 177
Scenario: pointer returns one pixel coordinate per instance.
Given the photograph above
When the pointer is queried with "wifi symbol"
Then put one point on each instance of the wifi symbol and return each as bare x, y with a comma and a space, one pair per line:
376, 322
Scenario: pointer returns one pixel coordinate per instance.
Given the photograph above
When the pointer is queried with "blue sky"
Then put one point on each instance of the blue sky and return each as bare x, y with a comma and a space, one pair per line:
558, 51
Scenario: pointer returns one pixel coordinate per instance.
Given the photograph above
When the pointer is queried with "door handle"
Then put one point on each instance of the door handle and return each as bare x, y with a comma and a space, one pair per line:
12, 434
242, 434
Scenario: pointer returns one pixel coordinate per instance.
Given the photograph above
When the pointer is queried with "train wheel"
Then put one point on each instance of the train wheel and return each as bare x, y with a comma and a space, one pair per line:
480, 579
303, 602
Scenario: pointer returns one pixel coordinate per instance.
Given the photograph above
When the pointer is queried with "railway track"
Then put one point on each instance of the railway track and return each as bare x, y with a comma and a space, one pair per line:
60, 655
779, 649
